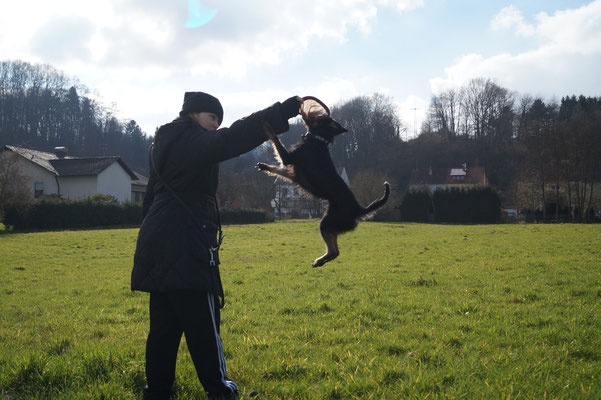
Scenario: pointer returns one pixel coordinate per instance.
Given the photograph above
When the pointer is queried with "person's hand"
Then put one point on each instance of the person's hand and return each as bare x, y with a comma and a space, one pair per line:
290, 108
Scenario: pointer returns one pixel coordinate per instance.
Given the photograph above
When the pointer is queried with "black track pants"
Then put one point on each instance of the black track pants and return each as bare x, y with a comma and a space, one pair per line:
196, 315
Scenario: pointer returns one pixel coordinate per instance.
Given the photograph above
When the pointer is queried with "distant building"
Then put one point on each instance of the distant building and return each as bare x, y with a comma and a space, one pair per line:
446, 178
138, 187
74, 177
292, 202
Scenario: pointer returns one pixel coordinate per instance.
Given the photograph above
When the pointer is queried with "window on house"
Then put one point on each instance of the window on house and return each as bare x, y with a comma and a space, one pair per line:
137, 196
38, 189
555, 187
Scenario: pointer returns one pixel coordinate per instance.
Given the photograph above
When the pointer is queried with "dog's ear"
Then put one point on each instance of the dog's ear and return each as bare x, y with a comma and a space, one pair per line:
336, 127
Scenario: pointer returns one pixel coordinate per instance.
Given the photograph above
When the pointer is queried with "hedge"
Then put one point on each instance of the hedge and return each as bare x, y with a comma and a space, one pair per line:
474, 205
55, 213
244, 216
416, 206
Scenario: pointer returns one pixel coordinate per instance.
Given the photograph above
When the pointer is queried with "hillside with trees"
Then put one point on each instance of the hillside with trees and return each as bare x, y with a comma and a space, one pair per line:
42, 108
540, 155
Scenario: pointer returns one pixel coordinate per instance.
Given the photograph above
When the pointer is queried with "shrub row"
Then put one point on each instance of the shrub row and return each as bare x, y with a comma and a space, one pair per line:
244, 216
55, 213
416, 206
473, 205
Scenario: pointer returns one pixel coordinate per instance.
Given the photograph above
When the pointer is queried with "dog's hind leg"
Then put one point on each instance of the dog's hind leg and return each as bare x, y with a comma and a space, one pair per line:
331, 241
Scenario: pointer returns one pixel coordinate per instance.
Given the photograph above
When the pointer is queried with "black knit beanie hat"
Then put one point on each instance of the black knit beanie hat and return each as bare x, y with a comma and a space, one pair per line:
201, 102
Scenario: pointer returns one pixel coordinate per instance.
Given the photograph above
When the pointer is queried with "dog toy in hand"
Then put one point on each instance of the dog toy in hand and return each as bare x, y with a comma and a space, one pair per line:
312, 109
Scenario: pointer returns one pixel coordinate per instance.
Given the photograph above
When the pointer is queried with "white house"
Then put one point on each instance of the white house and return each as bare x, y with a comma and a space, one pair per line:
72, 177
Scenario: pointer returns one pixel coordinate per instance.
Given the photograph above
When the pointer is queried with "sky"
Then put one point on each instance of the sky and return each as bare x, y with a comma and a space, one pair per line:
140, 56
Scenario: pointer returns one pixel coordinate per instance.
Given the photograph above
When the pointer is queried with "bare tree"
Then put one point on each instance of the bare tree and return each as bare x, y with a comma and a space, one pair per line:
525, 102
444, 115
488, 110
538, 137
583, 146
374, 134
281, 199
367, 186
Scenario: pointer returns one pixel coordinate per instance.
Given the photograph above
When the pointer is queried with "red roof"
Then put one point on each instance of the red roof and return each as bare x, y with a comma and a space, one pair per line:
442, 176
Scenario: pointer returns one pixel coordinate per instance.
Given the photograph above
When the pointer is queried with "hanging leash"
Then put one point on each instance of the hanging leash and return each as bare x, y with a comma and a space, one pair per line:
221, 236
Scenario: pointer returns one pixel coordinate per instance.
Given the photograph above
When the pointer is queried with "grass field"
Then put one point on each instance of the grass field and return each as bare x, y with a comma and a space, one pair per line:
408, 311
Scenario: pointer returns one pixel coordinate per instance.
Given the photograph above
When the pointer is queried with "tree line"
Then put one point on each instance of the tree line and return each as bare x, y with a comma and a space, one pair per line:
42, 108
543, 156
540, 155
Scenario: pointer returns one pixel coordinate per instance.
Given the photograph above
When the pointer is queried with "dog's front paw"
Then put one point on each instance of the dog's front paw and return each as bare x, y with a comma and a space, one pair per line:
261, 166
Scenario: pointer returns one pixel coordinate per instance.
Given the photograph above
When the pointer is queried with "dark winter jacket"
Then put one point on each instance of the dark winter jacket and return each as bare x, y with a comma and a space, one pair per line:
172, 252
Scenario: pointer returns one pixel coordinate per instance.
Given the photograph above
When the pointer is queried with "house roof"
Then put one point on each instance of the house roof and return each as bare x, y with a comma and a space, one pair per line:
444, 176
458, 172
40, 158
87, 166
141, 179
70, 166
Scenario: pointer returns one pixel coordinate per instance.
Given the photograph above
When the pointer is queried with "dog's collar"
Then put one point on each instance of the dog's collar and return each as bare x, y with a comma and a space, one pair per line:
312, 135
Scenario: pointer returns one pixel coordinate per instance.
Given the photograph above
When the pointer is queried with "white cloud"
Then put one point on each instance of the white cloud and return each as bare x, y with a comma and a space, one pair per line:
577, 31
335, 90
54, 41
403, 5
122, 48
242, 34
565, 61
510, 17
240, 103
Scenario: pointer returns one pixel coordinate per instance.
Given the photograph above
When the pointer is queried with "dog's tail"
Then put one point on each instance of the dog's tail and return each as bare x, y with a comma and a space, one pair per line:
371, 209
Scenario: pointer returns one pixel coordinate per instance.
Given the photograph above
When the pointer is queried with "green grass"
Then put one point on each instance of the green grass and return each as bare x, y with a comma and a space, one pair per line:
408, 311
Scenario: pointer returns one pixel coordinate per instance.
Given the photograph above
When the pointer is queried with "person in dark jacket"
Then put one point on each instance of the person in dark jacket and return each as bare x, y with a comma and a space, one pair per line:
177, 252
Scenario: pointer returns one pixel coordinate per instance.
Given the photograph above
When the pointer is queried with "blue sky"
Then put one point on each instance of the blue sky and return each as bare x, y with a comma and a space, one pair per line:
139, 54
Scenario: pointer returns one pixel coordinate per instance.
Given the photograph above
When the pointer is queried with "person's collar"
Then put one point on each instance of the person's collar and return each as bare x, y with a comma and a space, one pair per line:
189, 120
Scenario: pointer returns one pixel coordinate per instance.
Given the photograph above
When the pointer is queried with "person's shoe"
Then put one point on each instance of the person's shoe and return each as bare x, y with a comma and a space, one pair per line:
233, 396
236, 396
156, 395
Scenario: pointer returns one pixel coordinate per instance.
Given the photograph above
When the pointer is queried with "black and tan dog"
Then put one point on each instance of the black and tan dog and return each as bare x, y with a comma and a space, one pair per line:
310, 165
